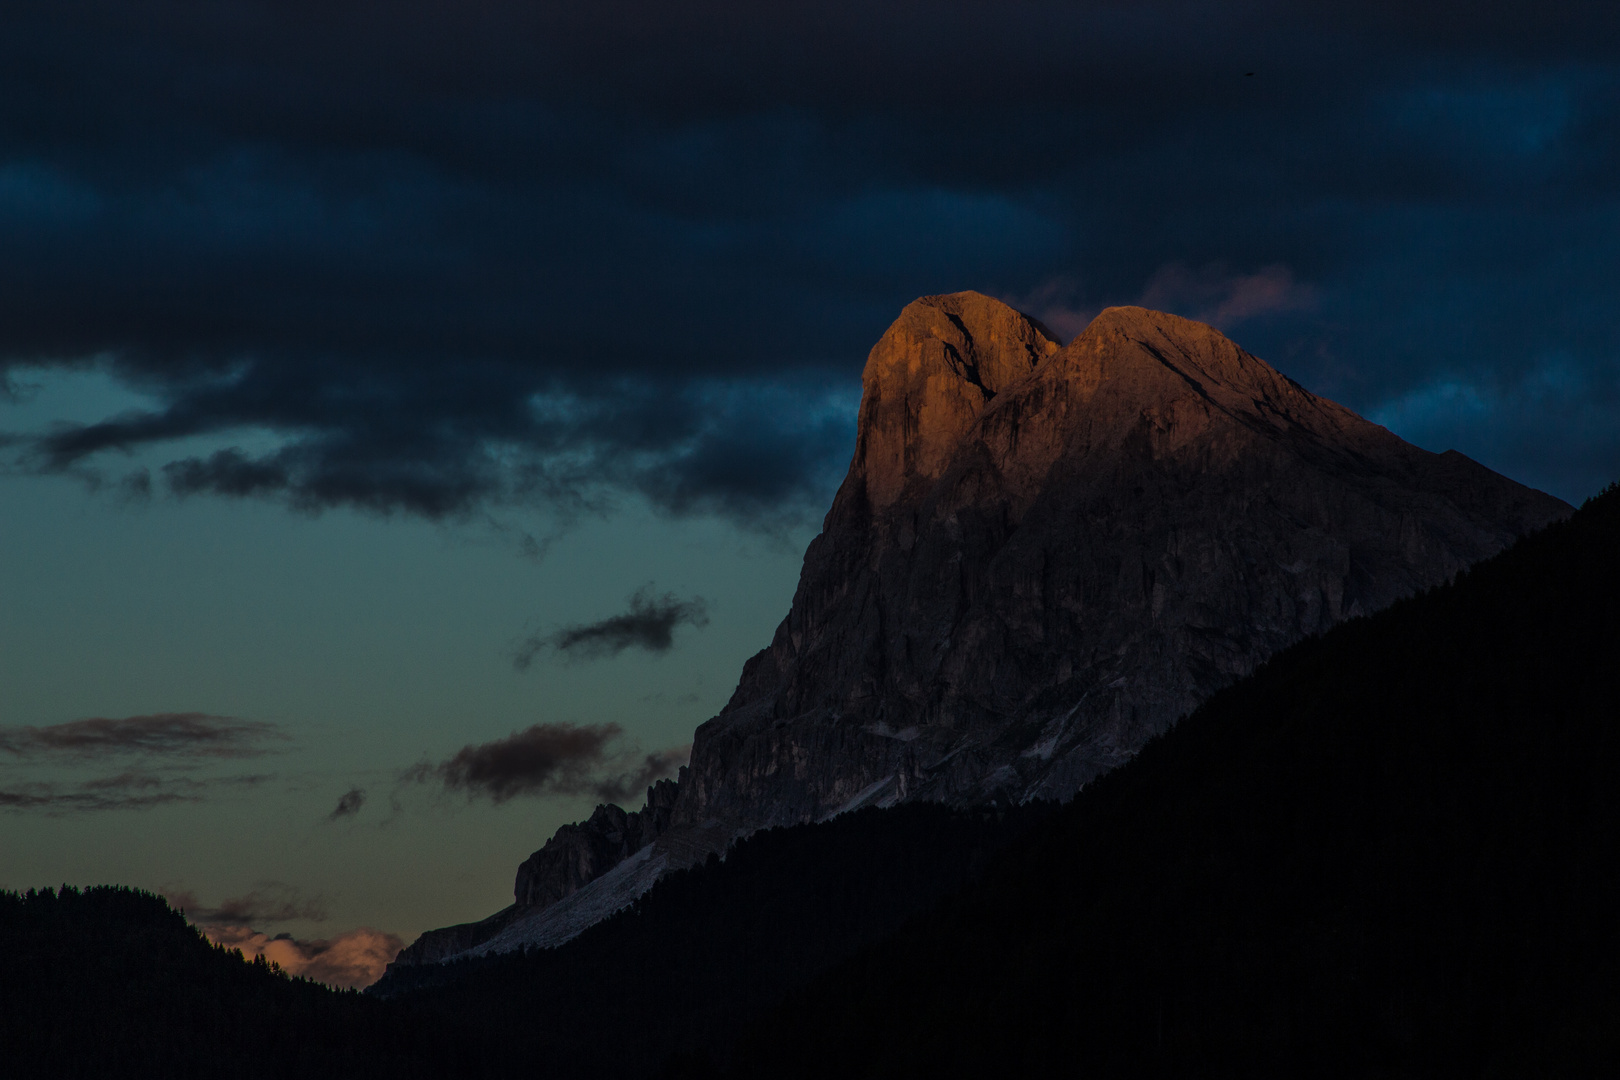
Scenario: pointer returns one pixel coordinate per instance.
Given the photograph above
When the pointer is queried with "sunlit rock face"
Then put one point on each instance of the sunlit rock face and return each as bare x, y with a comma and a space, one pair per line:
1043, 556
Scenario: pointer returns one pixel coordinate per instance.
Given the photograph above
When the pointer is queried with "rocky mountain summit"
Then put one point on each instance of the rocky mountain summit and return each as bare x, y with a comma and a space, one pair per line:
1041, 557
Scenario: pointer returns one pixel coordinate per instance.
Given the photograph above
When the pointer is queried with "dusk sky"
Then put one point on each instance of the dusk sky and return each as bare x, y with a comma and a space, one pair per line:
413, 414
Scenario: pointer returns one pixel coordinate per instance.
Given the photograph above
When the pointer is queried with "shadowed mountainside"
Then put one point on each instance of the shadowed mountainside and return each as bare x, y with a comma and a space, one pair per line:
710, 948
1041, 557
1391, 852
111, 982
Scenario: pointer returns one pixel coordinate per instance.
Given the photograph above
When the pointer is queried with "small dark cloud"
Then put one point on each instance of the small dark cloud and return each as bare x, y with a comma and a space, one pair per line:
649, 624
226, 472
270, 902
529, 546
183, 735
543, 759
550, 759
136, 485
349, 804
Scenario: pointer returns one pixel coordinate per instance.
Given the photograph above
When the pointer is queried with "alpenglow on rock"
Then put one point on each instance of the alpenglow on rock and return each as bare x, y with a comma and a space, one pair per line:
1040, 558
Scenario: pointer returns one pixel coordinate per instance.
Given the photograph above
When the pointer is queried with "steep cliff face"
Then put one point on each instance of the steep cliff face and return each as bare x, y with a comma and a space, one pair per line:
574, 857
1043, 556
1025, 576
581, 853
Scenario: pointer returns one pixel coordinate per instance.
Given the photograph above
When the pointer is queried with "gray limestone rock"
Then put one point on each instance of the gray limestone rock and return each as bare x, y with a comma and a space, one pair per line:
580, 853
1042, 557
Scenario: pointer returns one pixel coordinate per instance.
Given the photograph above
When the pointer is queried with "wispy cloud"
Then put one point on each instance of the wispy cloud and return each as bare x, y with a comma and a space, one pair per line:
629, 782
183, 735
129, 790
551, 759
1059, 305
670, 203
1223, 298
270, 902
649, 624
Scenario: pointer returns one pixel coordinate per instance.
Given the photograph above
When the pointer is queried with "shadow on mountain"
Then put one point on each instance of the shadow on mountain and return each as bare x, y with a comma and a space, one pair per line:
1393, 851
710, 948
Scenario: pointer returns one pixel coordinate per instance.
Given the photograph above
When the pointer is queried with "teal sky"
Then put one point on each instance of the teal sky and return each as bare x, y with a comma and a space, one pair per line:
371, 643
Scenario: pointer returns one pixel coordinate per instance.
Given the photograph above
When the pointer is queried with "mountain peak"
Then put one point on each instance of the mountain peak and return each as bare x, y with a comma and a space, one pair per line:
1042, 556
930, 377
1175, 355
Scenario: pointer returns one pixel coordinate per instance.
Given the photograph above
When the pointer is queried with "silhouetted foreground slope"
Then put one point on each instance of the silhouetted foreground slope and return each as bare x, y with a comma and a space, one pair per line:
1395, 850
110, 982
709, 949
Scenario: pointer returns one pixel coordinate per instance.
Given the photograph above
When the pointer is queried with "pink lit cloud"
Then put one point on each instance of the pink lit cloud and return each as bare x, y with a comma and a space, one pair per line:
350, 961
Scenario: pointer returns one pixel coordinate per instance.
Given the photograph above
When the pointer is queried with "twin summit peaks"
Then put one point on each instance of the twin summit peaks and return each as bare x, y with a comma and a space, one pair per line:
1042, 556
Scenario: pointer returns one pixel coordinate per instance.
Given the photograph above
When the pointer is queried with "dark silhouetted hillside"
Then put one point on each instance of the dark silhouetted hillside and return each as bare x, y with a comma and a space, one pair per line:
111, 982
1393, 851
711, 948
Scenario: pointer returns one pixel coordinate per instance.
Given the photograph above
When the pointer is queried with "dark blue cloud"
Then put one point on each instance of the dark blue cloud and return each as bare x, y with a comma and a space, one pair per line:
441, 258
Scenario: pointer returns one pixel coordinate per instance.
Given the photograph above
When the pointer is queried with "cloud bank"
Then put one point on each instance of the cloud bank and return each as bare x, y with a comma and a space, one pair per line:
416, 259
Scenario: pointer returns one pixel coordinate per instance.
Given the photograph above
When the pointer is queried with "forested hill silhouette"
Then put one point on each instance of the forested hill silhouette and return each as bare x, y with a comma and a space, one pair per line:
112, 982
1390, 852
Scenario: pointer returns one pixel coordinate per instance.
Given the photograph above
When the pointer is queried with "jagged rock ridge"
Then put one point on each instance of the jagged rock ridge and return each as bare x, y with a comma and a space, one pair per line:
575, 856
1040, 558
